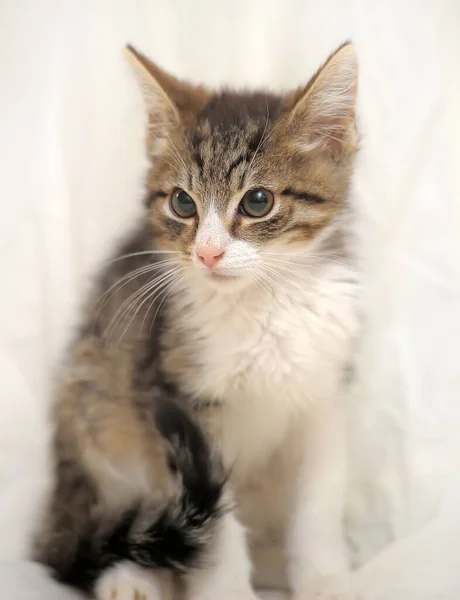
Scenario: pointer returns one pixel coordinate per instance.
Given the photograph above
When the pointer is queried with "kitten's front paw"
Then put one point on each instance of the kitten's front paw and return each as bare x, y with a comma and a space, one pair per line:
127, 581
327, 588
246, 594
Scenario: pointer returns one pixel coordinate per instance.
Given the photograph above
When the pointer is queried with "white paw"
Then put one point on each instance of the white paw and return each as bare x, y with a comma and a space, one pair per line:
127, 581
327, 588
226, 595
273, 595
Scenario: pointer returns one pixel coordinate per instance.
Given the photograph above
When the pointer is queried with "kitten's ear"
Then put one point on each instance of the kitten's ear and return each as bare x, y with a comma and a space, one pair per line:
169, 101
162, 111
324, 114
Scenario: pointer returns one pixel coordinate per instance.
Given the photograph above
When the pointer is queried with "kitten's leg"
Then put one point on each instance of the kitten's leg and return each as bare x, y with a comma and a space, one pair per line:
317, 556
227, 576
87, 541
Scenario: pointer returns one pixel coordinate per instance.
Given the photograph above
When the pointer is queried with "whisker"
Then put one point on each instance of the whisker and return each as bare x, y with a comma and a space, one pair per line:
282, 288
152, 286
158, 288
168, 293
126, 305
327, 258
178, 273
123, 281
144, 252
277, 286
175, 168
131, 301
292, 263
263, 286
306, 256
298, 273
283, 277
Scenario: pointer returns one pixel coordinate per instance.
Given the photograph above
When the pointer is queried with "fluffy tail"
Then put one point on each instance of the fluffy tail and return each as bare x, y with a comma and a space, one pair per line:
174, 537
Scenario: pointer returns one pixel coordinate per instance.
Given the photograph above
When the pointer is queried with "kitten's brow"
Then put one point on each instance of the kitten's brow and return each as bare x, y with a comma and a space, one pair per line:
308, 196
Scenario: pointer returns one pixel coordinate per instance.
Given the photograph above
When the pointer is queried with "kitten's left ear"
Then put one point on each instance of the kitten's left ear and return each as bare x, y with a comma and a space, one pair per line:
324, 114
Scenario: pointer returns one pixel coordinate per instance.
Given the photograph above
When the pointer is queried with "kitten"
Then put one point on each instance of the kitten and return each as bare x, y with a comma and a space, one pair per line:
223, 328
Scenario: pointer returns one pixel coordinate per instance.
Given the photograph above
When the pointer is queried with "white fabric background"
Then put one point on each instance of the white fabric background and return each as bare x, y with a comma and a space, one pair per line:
70, 167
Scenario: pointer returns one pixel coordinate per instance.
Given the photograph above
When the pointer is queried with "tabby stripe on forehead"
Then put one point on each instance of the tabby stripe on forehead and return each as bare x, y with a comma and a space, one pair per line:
195, 147
150, 199
309, 197
235, 164
197, 157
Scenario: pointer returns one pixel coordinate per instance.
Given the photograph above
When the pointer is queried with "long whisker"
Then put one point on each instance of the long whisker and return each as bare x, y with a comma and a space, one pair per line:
123, 281
125, 306
263, 286
132, 300
299, 273
144, 252
148, 290
177, 273
283, 277
328, 258
172, 285
175, 167
130, 313
159, 289
272, 274
300, 265
274, 284
303, 255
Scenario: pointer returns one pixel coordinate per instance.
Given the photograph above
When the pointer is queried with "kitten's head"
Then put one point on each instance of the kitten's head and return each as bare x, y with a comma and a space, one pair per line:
238, 179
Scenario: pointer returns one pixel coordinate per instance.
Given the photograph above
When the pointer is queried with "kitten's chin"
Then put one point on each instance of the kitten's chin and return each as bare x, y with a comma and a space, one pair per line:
225, 283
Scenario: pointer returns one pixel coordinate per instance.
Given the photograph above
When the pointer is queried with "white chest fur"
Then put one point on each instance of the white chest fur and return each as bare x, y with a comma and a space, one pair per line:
269, 354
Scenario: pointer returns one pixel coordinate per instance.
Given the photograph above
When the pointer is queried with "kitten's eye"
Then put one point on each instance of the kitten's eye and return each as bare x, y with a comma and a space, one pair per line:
257, 203
182, 204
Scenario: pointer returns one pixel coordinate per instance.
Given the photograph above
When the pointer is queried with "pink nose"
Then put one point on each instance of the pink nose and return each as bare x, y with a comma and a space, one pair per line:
209, 255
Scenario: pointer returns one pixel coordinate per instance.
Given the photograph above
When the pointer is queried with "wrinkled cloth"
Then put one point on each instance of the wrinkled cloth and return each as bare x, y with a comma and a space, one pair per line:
71, 163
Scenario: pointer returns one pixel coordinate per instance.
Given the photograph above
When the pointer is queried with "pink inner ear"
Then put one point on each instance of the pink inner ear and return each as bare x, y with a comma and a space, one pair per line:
335, 134
325, 115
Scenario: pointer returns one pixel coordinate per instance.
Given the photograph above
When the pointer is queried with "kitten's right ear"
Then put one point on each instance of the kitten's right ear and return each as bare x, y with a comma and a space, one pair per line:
162, 111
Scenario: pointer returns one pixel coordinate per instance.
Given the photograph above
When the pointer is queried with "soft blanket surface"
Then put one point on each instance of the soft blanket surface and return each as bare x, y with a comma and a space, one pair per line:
70, 167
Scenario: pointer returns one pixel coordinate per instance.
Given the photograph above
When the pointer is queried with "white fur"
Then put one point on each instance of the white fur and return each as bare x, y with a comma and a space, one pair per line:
228, 576
275, 357
127, 581
212, 233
